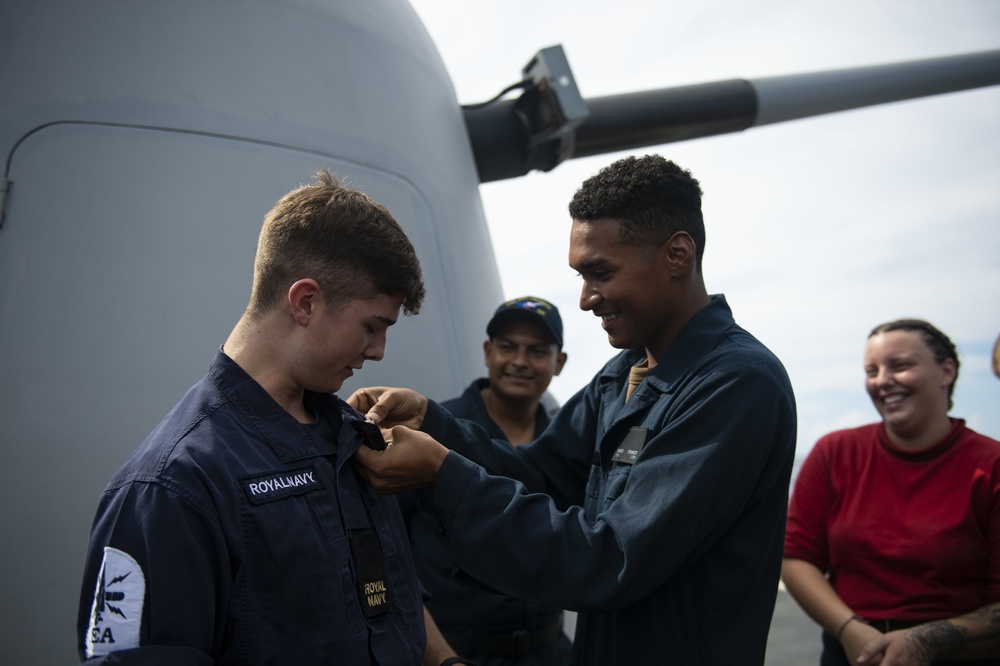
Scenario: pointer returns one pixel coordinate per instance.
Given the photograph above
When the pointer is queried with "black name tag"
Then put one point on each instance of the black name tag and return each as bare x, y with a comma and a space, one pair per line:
371, 435
369, 565
630, 447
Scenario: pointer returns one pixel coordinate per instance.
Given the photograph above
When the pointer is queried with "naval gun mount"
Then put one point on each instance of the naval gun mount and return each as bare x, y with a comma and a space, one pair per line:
551, 122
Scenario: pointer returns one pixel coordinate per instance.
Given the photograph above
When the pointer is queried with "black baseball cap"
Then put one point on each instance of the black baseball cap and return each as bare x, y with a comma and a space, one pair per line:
528, 308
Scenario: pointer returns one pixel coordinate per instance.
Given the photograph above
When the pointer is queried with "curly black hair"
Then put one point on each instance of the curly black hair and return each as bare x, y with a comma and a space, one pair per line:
651, 197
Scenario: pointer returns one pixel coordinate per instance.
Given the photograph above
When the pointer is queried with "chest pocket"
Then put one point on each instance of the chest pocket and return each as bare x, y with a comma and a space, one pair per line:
296, 575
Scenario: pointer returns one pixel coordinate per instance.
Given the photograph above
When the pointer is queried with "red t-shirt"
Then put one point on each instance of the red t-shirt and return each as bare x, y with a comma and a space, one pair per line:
902, 536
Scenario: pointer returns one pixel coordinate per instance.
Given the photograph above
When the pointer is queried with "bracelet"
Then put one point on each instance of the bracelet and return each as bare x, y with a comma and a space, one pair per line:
840, 632
450, 661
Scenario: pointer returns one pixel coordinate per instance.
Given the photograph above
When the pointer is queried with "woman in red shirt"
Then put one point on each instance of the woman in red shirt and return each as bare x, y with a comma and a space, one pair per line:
893, 539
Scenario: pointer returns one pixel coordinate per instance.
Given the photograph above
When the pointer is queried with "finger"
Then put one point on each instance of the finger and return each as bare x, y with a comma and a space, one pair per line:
367, 464
365, 456
363, 399
392, 407
872, 653
359, 400
380, 406
361, 471
402, 433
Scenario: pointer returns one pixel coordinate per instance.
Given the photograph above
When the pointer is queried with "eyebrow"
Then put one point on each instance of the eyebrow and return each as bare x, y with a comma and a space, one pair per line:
590, 263
388, 321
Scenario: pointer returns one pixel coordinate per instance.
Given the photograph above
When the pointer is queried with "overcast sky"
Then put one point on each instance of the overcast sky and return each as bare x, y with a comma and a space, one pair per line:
817, 229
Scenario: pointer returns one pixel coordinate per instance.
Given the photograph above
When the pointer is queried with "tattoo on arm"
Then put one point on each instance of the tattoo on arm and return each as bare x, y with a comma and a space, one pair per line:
944, 639
936, 640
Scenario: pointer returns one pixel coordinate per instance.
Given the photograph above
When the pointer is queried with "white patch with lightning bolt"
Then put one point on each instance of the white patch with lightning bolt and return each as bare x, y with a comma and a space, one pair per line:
117, 612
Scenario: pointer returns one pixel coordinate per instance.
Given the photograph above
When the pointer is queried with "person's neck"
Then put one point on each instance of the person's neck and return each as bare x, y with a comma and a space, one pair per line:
516, 419
925, 439
696, 298
247, 347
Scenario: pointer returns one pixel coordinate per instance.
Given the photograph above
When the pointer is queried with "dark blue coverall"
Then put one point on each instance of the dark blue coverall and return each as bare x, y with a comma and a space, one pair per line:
660, 519
236, 535
478, 621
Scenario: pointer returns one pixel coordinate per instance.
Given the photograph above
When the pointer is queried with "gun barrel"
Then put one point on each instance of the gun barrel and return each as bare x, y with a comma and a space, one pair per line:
782, 98
654, 117
504, 146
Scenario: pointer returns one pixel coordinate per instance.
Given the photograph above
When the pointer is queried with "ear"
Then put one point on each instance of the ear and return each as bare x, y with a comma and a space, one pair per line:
304, 298
679, 253
487, 346
948, 368
560, 362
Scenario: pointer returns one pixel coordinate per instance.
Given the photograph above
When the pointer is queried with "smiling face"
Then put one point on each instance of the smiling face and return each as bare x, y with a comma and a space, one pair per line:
908, 387
521, 360
628, 286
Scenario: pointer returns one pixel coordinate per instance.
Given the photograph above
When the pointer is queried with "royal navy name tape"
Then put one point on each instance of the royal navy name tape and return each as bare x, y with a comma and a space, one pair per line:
280, 484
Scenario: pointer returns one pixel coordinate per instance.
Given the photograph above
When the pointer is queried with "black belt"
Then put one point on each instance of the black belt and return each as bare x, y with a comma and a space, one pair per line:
519, 643
885, 626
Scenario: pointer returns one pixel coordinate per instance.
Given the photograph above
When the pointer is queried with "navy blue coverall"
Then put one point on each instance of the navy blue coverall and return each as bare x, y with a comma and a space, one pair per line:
236, 535
660, 519
478, 621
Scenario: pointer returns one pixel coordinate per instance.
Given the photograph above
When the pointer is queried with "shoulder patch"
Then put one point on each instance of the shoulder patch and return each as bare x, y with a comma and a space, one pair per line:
277, 485
116, 615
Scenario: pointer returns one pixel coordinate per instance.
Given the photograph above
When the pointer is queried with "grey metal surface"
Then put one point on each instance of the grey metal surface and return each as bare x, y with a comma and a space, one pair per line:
143, 144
